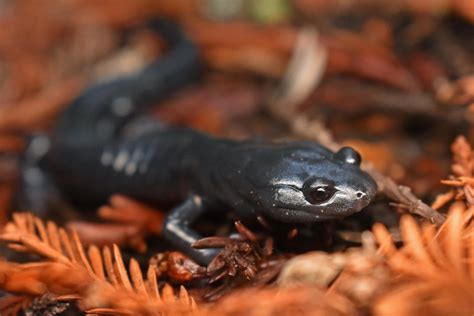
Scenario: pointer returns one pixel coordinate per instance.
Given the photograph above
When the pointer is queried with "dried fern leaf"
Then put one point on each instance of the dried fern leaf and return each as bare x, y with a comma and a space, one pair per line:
127, 302
66, 242
80, 253
152, 284
109, 266
433, 270
122, 291
96, 262
53, 234
120, 270
414, 245
137, 278
453, 238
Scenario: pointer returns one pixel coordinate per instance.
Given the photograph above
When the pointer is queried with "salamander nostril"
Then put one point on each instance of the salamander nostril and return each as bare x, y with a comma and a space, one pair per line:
360, 195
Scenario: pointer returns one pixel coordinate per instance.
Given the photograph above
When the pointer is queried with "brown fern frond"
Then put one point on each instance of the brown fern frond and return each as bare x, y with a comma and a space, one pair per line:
127, 223
433, 270
142, 294
38, 278
99, 276
123, 209
27, 233
113, 300
70, 282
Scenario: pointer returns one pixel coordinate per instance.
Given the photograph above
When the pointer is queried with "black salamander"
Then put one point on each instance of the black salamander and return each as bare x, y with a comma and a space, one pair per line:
93, 154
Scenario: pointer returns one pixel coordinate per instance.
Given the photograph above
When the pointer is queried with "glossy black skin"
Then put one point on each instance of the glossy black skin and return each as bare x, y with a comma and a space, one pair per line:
163, 165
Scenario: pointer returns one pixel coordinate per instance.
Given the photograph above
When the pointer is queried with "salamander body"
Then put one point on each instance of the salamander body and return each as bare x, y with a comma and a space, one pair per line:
93, 154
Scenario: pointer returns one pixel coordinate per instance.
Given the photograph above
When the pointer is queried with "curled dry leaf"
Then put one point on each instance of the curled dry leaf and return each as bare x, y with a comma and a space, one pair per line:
363, 278
177, 266
312, 268
357, 274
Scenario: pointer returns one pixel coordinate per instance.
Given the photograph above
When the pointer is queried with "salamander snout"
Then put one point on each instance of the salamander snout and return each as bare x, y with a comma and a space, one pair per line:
357, 187
364, 192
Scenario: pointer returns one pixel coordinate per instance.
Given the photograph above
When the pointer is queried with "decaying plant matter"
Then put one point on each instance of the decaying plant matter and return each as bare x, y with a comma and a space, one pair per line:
463, 172
431, 261
69, 272
393, 79
434, 268
129, 222
431, 274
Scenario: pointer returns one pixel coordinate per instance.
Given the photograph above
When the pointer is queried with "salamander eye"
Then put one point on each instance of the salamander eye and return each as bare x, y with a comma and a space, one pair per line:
319, 194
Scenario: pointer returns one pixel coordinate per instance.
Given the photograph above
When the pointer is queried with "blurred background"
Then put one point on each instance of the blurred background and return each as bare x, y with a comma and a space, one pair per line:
394, 79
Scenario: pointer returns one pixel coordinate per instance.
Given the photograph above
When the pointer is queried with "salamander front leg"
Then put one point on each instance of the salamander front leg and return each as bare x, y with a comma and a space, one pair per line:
176, 229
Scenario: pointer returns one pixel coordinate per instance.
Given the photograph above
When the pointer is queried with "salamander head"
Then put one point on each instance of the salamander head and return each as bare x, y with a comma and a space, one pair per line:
304, 182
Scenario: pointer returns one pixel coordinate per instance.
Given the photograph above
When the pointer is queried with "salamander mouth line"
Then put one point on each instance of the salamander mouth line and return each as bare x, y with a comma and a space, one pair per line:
322, 216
